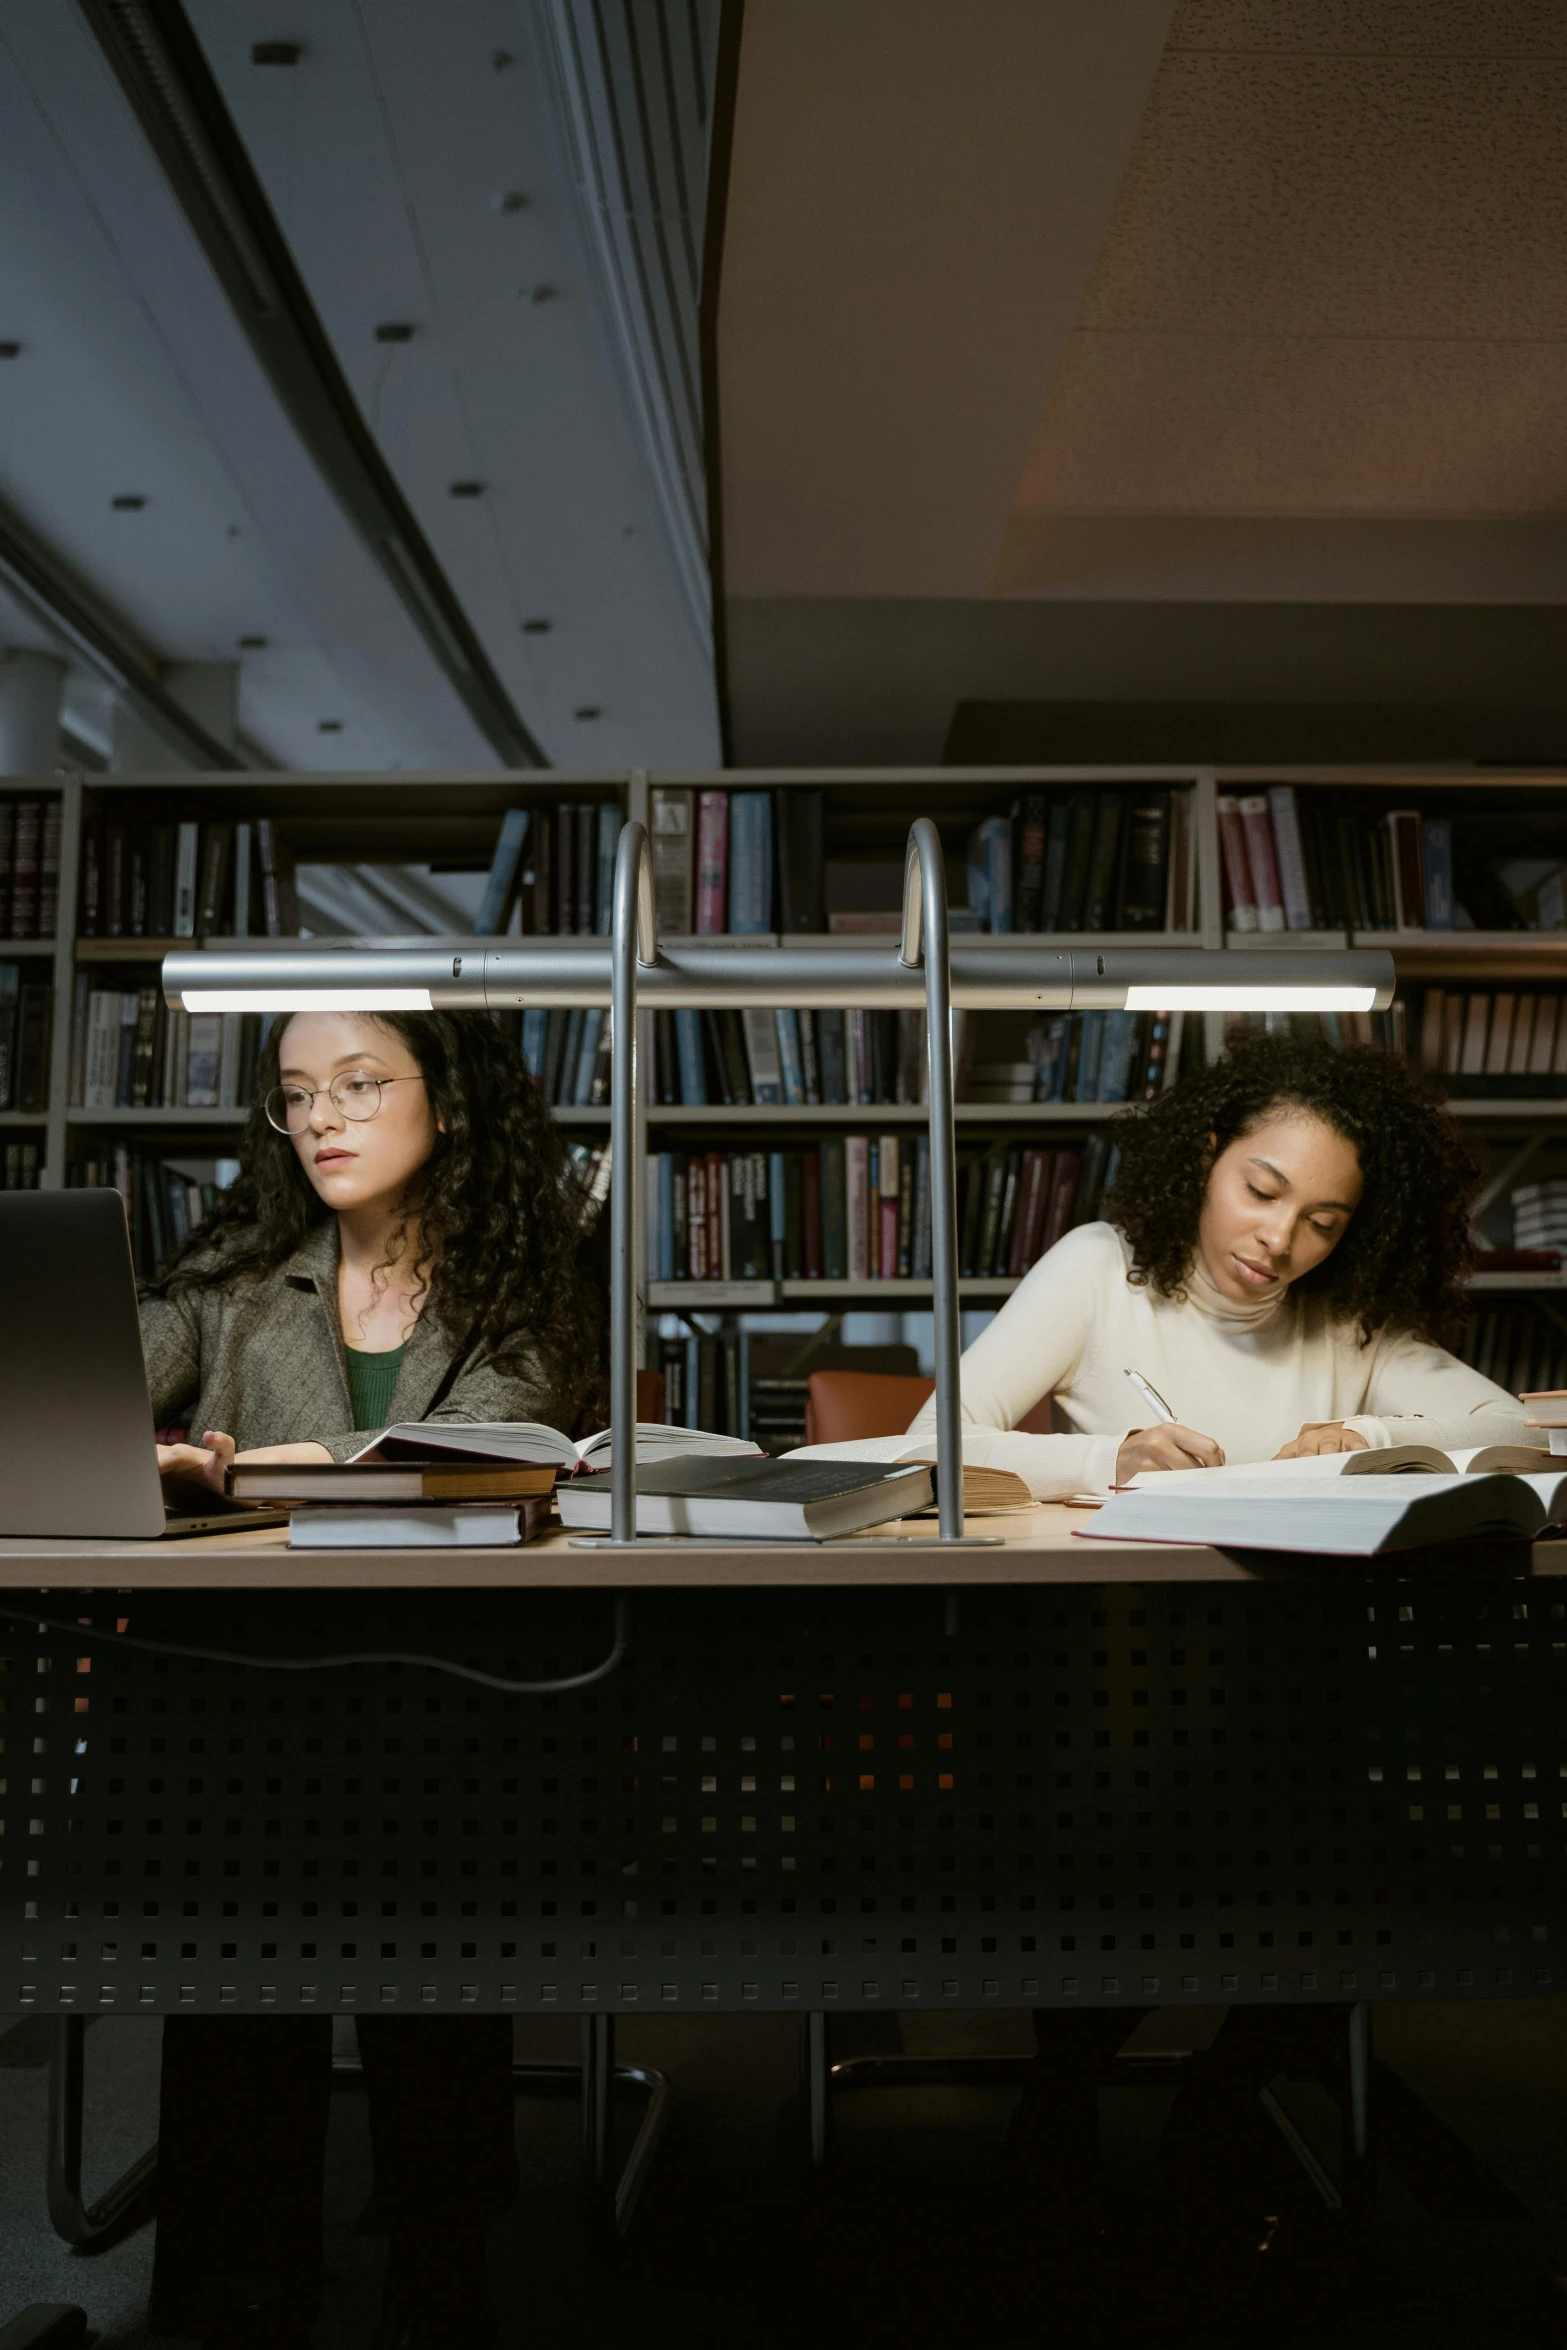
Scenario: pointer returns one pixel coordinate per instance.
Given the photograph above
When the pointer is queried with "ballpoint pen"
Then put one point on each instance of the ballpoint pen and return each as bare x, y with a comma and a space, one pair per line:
1150, 1395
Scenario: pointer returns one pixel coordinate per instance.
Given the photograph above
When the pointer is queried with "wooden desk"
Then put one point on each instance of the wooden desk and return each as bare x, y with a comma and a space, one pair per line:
1049, 1544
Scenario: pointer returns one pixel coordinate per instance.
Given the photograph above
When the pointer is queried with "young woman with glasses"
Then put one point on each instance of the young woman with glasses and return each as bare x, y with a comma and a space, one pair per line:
404, 1241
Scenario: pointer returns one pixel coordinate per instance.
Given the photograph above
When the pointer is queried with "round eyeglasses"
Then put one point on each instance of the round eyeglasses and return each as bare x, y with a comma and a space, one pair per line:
353, 1095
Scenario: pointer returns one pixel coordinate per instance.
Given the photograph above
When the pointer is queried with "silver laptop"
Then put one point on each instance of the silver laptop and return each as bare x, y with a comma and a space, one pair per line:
76, 1434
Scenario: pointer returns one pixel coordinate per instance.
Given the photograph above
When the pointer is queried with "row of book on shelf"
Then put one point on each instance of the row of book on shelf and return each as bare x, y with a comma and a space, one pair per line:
192, 879
1519, 1348
1539, 1212
30, 832
1092, 859
25, 1024
858, 1209
163, 1203
1475, 1039
131, 1051
1299, 861
21, 1164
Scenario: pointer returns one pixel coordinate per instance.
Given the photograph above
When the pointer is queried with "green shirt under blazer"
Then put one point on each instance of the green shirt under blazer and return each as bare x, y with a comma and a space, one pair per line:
264, 1361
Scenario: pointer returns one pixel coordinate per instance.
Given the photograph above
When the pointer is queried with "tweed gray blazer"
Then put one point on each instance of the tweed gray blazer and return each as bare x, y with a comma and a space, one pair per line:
263, 1361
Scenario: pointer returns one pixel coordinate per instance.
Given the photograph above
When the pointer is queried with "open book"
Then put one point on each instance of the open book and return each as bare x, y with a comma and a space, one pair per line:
1393, 1460
530, 1440
986, 1490
1349, 1517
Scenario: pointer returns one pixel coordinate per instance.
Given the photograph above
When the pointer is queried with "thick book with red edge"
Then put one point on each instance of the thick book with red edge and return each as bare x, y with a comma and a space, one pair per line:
1242, 901
712, 863
1264, 864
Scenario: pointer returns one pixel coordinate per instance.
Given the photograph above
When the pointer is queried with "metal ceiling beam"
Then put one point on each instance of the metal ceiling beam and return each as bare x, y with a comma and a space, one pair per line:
42, 584
165, 76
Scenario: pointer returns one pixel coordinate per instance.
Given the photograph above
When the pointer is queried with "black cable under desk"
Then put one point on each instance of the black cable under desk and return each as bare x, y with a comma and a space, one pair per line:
1059, 1773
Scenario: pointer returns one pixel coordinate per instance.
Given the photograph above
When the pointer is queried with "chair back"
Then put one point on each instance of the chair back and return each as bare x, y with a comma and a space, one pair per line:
843, 1405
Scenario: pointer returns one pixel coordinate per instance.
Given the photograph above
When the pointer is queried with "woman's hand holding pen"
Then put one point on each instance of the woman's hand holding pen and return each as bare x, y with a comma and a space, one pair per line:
1168, 1446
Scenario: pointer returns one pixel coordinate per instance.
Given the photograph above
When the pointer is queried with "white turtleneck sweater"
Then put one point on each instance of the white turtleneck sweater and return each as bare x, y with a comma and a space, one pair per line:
1248, 1375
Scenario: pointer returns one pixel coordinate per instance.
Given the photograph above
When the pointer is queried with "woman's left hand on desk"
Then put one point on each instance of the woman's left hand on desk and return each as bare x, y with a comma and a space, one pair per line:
207, 1463
1322, 1436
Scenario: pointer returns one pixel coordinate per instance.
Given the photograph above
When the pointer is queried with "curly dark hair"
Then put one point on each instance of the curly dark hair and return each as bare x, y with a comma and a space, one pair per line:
506, 1251
1405, 1254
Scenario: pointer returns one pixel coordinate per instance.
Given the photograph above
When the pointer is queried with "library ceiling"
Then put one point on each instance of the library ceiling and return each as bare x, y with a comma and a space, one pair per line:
1222, 303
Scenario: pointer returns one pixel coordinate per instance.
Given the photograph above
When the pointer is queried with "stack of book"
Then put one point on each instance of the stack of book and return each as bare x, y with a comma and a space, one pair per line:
1540, 1213
188, 880
130, 1051
25, 1022
1485, 1041
29, 867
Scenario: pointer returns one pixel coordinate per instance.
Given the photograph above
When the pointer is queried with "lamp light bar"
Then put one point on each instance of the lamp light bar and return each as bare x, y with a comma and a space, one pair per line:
1250, 996
307, 999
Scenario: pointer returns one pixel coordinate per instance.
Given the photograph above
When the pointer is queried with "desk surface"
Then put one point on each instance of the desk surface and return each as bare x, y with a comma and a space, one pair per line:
1049, 1543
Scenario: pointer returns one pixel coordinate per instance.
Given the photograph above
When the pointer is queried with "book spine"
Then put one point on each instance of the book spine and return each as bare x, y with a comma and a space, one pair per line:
761, 1046
1291, 856
585, 854
887, 1198
1237, 870
1146, 867
1063, 1194
24, 869
665, 1263
188, 842
811, 1215
10, 1007
856, 1162
750, 863
1268, 896
32, 1072
1405, 866
810, 1059
830, 1048
777, 1212
1100, 898
791, 1074
244, 838
214, 878
1057, 828
1436, 842
674, 863
919, 1245
801, 860
608, 837
49, 869
693, 1065
835, 1231
1029, 859
712, 863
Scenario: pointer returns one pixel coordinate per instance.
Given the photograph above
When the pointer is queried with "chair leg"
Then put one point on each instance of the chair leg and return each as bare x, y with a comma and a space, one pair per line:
598, 2117
87, 2227
815, 2087
1359, 2162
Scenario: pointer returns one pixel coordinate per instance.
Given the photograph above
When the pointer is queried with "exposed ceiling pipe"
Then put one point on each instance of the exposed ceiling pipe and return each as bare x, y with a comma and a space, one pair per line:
160, 66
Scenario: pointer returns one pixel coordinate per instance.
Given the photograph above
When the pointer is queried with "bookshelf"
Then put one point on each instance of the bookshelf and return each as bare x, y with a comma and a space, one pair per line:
450, 823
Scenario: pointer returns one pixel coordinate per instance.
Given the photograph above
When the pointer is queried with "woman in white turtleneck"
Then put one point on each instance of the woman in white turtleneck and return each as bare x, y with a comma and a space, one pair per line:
1288, 1251
1287, 1255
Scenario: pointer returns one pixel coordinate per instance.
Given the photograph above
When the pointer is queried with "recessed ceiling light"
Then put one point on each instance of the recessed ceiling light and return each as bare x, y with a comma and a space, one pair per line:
394, 330
467, 489
276, 52
537, 627
10, 350
588, 710
512, 200
130, 503
252, 644
329, 726
544, 294
501, 58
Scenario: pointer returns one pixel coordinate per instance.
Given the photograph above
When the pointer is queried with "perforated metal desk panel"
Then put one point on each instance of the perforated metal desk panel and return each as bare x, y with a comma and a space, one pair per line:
1118, 1776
